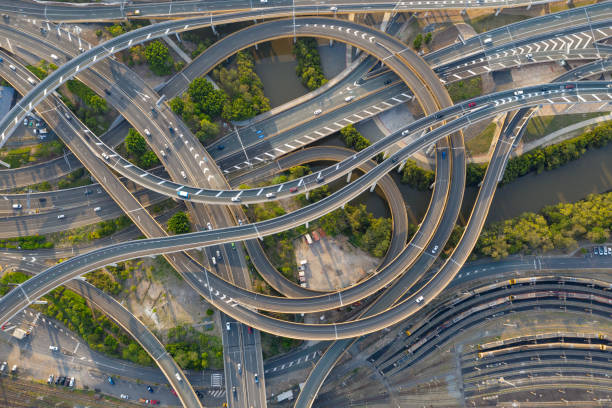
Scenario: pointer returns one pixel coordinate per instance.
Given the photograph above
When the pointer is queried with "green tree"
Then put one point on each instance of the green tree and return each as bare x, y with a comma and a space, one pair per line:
135, 144
417, 43
159, 58
179, 223
428, 37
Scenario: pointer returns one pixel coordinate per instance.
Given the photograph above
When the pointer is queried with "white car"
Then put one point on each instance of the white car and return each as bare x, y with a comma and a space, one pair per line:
419, 299
124, 396
317, 112
209, 226
53, 348
227, 326
435, 249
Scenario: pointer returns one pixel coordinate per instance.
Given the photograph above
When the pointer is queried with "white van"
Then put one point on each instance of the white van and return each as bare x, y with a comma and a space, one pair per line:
488, 40
61, 216
517, 93
317, 112
16, 206
147, 132
31, 80
55, 57
178, 376
97, 209
214, 260
183, 174
349, 98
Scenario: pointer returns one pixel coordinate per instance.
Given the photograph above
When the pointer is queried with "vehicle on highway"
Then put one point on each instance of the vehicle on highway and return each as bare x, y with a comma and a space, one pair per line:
3, 367
227, 326
444, 154
97, 209
162, 153
178, 377
209, 226
61, 216
147, 132
106, 91
256, 378
234, 390
349, 98
31, 80
12, 67
250, 329
235, 199
124, 396
71, 383
488, 40
110, 380
14, 369
570, 86
471, 104
219, 257
150, 389
54, 57
270, 195
16, 206
53, 348
220, 147
214, 261
199, 394
529, 56
154, 402
320, 178
419, 299
317, 112
239, 366
293, 189
171, 129
435, 249
183, 175
183, 194
517, 93
50, 379
233, 246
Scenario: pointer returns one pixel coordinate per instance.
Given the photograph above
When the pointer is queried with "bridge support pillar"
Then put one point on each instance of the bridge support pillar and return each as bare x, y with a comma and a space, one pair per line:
307, 224
307, 194
373, 188
256, 46
214, 30
529, 6
463, 12
348, 176
385, 21
401, 166
499, 11
331, 43
343, 206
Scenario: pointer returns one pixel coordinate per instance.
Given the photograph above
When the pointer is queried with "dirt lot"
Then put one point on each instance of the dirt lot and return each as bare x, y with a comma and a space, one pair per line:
333, 263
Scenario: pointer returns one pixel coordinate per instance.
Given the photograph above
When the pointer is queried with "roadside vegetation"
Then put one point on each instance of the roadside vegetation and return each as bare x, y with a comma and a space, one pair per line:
179, 223
201, 38
79, 177
540, 126
28, 242
490, 21
465, 89
42, 69
309, 63
537, 160
138, 151
241, 97
31, 154
88, 106
194, 350
100, 333
558, 227
158, 57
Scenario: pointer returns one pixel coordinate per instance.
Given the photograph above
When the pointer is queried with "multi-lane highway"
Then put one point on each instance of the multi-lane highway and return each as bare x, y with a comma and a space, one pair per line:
197, 179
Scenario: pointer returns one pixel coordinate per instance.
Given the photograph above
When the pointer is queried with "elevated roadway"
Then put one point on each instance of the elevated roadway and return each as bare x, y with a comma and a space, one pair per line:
81, 264
176, 9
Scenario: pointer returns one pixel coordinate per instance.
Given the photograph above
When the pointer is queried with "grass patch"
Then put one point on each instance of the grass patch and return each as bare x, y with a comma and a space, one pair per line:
481, 143
562, 5
491, 21
30, 154
463, 90
540, 126
77, 178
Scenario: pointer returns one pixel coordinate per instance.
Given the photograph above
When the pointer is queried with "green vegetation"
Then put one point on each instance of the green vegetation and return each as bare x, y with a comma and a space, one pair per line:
121, 28
481, 143
42, 69
29, 154
195, 350
90, 232
272, 345
559, 226
417, 177
42, 186
244, 89
491, 21
309, 63
549, 157
200, 37
540, 126
77, 178
463, 90
417, 42
353, 139
364, 231
87, 95
103, 281
72, 310
199, 107
179, 223
158, 57
27, 242
138, 150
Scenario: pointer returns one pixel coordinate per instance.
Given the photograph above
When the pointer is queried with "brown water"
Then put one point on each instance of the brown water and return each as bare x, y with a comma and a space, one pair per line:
275, 65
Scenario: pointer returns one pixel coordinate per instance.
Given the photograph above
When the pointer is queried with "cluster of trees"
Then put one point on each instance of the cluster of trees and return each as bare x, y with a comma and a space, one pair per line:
106, 228
79, 177
139, 151
353, 139
547, 158
417, 43
179, 223
309, 63
417, 177
200, 37
364, 231
243, 87
42, 69
29, 154
104, 282
199, 107
195, 350
87, 95
158, 57
27, 242
72, 310
559, 226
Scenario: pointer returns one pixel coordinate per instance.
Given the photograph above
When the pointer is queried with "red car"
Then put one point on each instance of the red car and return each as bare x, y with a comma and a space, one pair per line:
471, 104
570, 86
172, 391
293, 189
153, 402
250, 329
